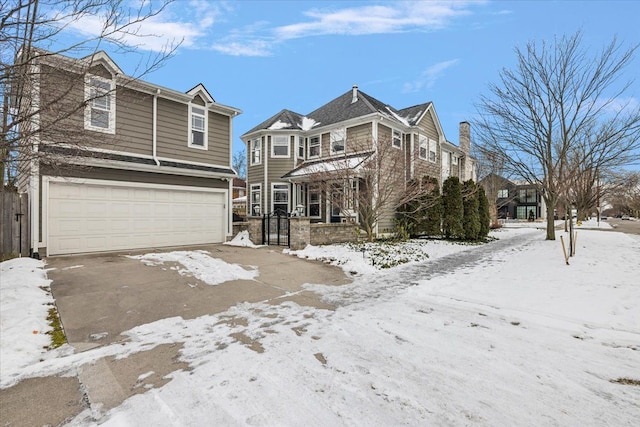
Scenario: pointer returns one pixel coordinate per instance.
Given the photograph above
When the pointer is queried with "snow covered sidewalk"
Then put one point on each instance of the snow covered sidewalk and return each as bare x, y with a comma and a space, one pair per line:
500, 334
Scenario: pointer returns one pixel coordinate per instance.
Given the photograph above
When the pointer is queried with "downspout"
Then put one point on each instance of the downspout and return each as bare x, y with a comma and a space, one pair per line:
154, 132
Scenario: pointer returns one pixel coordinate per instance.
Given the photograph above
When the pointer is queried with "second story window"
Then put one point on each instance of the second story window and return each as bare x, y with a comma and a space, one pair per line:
280, 146
424, 142
314, 146
338, 138
256, 149
100, 112
397, 139
198, 127
454, 159
503, 194
301, 148
432, 150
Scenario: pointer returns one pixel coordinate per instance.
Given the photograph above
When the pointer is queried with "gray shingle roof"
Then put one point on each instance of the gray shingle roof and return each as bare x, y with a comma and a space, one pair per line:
340, 109
291, 119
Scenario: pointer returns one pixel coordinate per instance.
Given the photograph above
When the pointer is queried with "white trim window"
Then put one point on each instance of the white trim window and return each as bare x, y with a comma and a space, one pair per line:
396, 138
314, 202
314, 146
433, 145
256, 151
454, 159
423, 147
503, 193
280, 198
100, 111
338, 139
198, 127
255, 199
280, 146
301, 147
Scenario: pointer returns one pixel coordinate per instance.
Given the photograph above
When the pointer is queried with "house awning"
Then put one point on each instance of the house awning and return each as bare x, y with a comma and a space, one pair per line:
330, 166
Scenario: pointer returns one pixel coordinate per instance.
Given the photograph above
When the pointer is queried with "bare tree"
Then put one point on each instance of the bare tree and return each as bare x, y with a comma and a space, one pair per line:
364, 181
492, 174
31, 35
240, 163
623, 193
548, 104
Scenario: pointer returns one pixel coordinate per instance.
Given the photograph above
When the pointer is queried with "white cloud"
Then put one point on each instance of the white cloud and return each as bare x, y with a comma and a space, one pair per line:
156, 32
392, 17
429, 76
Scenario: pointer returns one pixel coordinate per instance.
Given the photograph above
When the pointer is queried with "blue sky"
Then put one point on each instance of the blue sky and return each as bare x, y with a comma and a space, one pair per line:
263, 56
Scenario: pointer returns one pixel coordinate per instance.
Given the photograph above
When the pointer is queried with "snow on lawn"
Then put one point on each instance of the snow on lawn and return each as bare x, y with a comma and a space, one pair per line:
242, 239
201, 265
25, 301
496, 334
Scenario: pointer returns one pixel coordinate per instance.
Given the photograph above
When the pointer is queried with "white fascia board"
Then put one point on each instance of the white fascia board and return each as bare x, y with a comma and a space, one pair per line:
115, 164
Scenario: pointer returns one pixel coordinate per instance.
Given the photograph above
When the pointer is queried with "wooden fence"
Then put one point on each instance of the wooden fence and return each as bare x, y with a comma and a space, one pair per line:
14, 225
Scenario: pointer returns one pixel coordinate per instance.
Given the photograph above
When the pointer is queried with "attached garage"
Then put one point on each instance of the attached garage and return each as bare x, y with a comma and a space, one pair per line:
94, 215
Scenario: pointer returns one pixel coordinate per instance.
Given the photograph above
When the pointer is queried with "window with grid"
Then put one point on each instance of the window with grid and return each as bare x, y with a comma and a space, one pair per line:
198, 127
338, 137
100, 110
397, 139
432, 150
314, 202
256, 199
301, 148
280, 199
423, 147
503, 194
280, 146
314, 146
256, 149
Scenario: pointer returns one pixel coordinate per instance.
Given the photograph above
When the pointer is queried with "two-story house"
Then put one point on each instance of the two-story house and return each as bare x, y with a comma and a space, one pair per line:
286, 152
110, 162
514, 199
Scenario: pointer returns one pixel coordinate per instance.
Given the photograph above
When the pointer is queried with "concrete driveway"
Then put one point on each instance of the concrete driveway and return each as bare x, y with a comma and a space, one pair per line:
100, 296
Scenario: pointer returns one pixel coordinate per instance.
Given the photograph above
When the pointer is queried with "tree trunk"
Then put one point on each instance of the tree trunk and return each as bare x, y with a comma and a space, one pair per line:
551, 228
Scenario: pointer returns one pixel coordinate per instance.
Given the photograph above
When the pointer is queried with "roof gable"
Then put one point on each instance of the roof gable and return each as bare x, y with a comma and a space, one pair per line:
199, 89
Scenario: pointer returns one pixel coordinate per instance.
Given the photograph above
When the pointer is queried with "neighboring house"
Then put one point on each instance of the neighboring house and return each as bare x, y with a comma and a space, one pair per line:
239, 198
148, 166
285, 151
514, 199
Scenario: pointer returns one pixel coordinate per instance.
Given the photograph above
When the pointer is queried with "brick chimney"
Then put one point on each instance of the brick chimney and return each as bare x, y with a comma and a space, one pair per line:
465, 138
465, 147
354, 94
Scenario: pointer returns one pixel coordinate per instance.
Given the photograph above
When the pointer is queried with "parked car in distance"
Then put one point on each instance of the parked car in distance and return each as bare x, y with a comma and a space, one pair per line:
625, 217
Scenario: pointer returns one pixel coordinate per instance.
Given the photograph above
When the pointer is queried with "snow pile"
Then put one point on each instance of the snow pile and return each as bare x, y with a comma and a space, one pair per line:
199, 264
242, 239
308, 123
497, 334
279, 125
24, 307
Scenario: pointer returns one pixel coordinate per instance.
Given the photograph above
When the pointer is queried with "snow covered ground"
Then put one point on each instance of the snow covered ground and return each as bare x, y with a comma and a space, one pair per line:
497, 334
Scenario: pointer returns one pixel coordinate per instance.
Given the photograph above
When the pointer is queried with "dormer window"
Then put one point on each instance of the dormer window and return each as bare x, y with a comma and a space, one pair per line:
338, 137
100, 112
198, 127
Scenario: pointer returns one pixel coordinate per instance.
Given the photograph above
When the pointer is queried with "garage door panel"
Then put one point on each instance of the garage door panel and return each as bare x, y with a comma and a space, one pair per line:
92, 217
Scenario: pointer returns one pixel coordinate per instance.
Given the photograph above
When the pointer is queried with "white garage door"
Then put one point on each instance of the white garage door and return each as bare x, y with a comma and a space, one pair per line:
98, 217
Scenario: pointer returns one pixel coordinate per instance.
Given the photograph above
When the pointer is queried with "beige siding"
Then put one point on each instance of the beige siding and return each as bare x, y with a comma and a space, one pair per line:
134, 122
384, 134
173, 135
359, 138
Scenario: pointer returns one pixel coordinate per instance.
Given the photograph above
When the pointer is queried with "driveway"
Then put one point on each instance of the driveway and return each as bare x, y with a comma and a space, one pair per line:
100, 296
